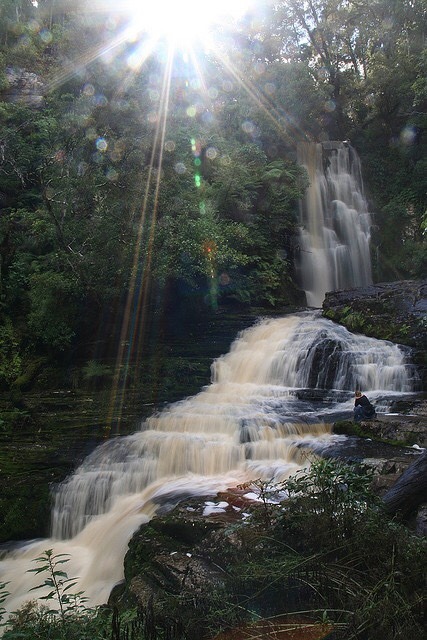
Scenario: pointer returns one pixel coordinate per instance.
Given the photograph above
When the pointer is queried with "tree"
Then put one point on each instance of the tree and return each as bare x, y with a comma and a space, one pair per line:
409, 490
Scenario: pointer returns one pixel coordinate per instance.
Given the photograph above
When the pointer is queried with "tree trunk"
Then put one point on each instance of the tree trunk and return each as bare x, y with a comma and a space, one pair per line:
409, 491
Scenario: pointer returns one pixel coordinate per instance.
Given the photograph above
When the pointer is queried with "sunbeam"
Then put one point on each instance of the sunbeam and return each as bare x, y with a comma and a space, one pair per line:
181, 23
133, 324
166, 32
280, 122
133, 327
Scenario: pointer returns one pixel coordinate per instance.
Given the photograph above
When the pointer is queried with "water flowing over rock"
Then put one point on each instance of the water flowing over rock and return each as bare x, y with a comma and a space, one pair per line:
335, 222
254, 421
394, 311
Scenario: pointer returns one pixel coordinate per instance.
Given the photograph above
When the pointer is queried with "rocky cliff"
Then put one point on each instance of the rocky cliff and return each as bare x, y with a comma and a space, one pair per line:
24, 87
395, 311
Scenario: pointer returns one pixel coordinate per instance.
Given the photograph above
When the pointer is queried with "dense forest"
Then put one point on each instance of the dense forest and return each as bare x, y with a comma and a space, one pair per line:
137, 179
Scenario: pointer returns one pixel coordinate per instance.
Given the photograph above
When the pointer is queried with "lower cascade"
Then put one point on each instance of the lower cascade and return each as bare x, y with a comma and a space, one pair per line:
272, 398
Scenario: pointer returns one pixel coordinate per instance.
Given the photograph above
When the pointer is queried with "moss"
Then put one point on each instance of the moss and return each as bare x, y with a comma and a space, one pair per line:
26, 515
167, 534
15, 418
25, 381
362, 430
185, 532
346, 428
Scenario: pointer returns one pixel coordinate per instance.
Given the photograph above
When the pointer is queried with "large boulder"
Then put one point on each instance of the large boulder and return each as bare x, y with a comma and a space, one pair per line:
24, 87
395, 311
390, 446
176, 565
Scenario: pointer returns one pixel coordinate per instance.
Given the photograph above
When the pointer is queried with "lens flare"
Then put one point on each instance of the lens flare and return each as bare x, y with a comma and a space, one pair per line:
185, 22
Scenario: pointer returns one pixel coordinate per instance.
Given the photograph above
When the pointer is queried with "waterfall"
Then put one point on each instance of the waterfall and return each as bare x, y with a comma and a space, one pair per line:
251, 422
334, 222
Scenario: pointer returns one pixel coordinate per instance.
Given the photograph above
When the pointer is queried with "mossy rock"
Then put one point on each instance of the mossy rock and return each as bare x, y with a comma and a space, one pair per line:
402, 432
25, 381
177, 532
394, 311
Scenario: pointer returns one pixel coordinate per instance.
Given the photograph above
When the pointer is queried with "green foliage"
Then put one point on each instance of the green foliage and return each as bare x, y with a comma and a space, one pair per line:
375, 321
3, 597
328, 547
190, 247
58, 582
356, 320
54, 305
68, 618
10, 357
329, 499
318, 543
35, 621
93, 369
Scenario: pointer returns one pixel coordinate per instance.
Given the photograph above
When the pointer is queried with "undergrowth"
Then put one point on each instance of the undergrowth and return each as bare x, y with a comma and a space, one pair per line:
329, 547
317, 544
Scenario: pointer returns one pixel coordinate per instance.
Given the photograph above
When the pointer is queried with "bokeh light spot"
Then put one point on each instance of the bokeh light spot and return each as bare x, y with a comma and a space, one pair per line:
248, 127
46, 36
111, 174
154, 95
100, 101
270, 88
82, 168
408, 135
97, 157
211, 153
89, 89
102, 145
59, 156
180, 168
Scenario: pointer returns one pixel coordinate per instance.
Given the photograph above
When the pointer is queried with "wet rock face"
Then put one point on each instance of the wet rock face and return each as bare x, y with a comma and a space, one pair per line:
395, 311
326, 358
390, 446
406, 429
23, 86
181, 556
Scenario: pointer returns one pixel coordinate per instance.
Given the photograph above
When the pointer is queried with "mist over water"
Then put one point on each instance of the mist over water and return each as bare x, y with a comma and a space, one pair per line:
255, 420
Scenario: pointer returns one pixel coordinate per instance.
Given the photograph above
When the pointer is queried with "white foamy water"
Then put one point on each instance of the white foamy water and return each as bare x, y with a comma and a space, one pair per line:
335, 222
251, 422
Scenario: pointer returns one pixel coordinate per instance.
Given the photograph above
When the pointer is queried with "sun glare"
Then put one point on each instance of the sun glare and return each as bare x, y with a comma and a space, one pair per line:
184, 22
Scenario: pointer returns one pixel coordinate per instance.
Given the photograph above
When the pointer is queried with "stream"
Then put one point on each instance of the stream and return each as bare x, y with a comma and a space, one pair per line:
271, 401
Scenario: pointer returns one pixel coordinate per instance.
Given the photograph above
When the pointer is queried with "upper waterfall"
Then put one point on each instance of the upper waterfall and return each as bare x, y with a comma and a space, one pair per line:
334, 222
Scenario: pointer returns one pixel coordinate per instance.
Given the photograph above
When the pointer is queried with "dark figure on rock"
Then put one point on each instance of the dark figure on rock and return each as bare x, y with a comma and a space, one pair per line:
363, 409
